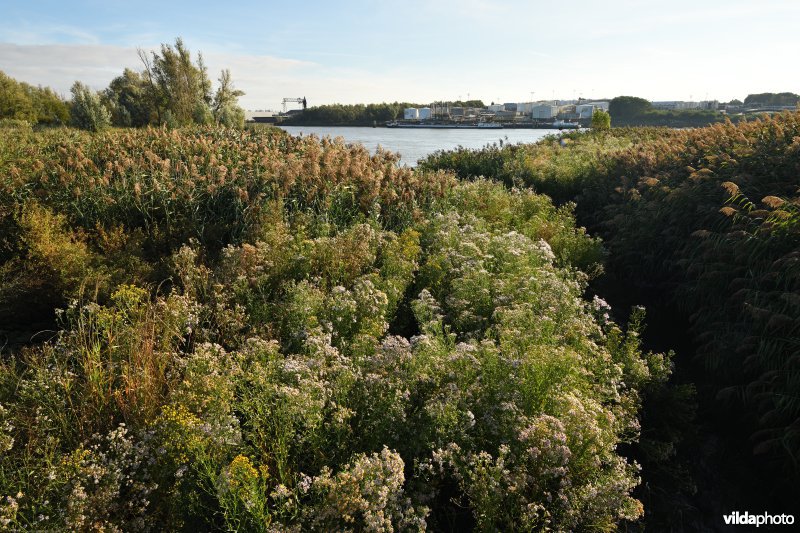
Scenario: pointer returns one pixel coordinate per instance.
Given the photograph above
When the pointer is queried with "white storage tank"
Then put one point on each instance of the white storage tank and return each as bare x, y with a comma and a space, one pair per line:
524, 107
494, 108
411, 113
544, 111
425, 113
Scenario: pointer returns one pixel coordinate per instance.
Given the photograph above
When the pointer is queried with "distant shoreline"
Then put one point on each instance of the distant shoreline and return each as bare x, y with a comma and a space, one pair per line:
666, 122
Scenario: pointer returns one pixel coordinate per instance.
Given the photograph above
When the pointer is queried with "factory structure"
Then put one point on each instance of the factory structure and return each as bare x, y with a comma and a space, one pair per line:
547, 113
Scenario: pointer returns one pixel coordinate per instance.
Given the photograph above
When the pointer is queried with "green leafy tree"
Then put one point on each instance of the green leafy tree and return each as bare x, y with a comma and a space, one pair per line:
601, 120
625, 107
225, 108
784, 99
356, 114
37, 105
14, 102
88, 113
50, 108
178, 89
127, 99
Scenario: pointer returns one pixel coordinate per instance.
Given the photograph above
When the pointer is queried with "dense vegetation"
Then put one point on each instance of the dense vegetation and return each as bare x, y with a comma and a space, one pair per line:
634, 111
772, 99
706, 221
247, 331
350, 115
22, 102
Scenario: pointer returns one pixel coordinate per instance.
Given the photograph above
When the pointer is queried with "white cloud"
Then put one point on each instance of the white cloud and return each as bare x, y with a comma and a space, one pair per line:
31, 34
58, 66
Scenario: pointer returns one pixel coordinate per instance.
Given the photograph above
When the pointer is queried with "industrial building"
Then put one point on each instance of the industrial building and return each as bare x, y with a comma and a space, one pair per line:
521, 114
544, 111
585, 111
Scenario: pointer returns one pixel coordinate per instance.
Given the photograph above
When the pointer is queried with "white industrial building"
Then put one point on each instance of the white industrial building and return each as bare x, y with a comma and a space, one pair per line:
494, 108
424, 113
525, 108
544, 111
585, 111
411, 113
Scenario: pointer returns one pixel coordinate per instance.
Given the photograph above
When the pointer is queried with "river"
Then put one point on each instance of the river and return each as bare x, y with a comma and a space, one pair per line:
414, 144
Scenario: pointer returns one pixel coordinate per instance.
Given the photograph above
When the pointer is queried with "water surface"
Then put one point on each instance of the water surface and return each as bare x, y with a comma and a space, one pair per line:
415, 143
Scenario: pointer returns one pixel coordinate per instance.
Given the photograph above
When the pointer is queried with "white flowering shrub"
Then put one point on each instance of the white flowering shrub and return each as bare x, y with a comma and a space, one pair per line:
6, 429
366, 495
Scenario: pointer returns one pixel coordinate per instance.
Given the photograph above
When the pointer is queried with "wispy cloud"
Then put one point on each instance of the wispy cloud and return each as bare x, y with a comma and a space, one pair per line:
58, 65
31, 34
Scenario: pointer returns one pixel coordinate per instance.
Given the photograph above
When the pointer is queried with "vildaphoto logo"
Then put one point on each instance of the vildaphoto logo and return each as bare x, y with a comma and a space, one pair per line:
764, 519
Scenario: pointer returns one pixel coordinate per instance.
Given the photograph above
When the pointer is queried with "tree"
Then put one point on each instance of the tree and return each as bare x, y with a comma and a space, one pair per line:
225, 106
625, 107
178, 90
14, 101
127, 99
601, 120
783, 99
88, 113
37, 105
50, 109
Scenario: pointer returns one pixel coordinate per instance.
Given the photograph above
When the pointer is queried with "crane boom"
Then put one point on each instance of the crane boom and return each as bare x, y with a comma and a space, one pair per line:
294, 101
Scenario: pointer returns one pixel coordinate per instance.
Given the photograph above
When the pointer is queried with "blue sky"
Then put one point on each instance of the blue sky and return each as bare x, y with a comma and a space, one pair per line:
370, 51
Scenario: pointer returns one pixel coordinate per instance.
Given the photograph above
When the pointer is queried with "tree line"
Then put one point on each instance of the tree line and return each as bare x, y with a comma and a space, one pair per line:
24, 102
173, 89
772, 99
635, 111
363, 114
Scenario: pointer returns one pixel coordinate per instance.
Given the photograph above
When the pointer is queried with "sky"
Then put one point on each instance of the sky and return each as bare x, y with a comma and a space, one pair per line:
421, 51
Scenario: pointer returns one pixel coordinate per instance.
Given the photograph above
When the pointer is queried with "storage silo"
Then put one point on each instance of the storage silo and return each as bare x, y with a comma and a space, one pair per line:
544, 111
525, 108
411, 113
425, 113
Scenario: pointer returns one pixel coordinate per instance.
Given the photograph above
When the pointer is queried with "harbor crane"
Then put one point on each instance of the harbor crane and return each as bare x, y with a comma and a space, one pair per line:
294, 101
